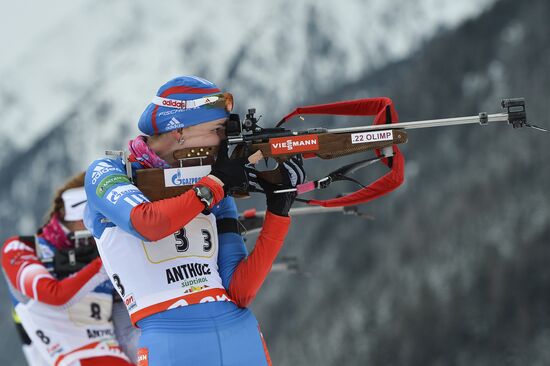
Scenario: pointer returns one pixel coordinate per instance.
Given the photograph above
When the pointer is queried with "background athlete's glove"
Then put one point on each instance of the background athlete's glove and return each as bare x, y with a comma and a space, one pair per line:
232, 172
292, 173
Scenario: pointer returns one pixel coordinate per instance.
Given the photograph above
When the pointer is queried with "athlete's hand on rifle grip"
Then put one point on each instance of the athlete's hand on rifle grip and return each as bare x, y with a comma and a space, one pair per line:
232, 172
292, 174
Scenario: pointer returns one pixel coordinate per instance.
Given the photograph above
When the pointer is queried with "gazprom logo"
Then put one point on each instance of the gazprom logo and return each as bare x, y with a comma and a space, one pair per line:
177, 177
179, 180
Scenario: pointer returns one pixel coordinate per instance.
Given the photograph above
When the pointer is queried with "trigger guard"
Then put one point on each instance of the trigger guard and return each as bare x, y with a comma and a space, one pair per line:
266, 165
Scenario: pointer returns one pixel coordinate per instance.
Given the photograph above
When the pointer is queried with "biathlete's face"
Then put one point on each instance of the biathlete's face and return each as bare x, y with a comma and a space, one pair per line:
204, 134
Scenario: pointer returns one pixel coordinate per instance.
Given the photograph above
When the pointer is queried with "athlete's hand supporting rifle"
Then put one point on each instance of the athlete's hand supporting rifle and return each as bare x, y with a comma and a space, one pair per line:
233, 173
292, 173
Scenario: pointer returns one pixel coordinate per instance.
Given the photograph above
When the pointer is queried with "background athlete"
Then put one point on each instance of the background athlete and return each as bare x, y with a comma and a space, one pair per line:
61, 296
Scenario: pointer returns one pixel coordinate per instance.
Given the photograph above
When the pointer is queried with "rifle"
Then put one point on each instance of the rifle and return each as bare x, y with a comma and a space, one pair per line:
383, 137
65, 262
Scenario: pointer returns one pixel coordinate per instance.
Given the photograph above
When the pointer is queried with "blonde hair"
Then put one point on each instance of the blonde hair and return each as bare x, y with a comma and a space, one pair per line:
58, 206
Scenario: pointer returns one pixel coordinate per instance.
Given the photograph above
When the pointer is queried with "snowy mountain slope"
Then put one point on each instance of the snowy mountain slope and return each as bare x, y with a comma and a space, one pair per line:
454, 270
82, 85
272, 54
22, 23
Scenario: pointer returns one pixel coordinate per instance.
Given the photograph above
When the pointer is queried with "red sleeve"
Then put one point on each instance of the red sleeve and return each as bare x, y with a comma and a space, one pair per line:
29, 276
252, 271
157, 220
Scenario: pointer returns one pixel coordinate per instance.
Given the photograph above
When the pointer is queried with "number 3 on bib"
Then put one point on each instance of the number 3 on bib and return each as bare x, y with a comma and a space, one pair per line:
182, 243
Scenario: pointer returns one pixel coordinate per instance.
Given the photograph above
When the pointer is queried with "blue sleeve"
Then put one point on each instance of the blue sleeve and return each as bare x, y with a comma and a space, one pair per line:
111, 194
232, 249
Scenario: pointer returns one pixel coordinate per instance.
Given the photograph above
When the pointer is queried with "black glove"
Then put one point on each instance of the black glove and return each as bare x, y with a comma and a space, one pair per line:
231, 172
292, 173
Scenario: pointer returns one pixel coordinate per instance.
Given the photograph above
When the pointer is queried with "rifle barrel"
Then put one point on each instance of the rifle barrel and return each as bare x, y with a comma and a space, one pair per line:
498, 117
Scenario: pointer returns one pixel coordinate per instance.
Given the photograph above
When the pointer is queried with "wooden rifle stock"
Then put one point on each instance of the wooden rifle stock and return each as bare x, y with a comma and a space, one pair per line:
330, 145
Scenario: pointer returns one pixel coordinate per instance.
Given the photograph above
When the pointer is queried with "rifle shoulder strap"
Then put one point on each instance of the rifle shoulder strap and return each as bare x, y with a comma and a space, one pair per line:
229, 225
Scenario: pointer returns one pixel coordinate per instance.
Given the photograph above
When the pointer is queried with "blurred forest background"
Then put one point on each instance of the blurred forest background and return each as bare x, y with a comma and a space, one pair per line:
453, 270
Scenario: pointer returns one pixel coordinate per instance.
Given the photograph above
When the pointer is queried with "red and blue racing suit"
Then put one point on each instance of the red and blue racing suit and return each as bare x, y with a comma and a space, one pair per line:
186, 285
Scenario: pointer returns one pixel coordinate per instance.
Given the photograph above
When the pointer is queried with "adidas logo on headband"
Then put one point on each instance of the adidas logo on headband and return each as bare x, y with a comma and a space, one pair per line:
184, 104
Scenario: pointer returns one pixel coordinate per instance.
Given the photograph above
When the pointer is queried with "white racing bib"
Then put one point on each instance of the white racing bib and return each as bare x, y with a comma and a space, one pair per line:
58, 331
178, 270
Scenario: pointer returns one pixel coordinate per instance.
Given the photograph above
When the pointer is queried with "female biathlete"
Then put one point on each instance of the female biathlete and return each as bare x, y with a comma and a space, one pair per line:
186, 283
61, 297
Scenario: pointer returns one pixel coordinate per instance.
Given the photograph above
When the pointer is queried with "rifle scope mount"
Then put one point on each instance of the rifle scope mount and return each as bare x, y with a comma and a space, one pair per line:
235, 128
